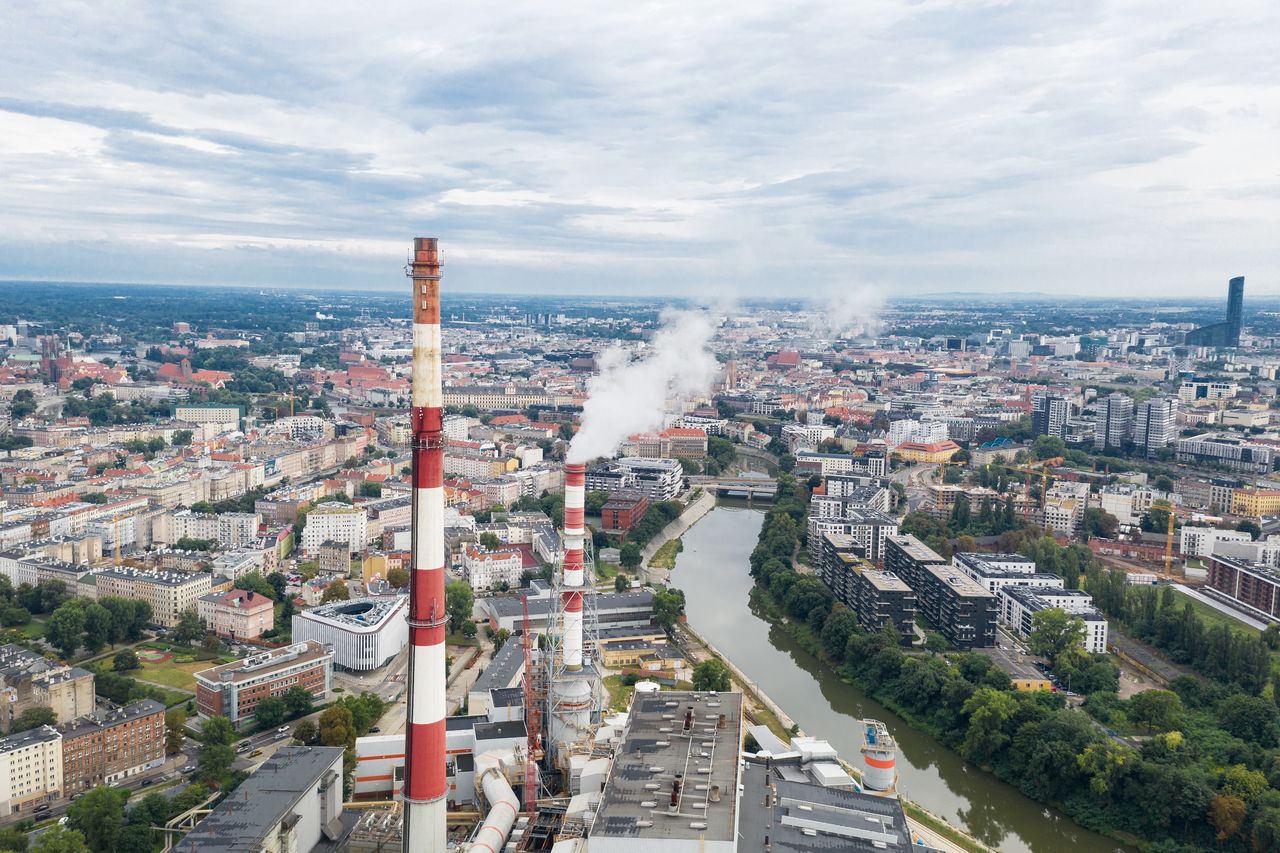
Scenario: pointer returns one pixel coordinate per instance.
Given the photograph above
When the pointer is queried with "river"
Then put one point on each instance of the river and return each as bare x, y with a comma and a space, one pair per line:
713, 571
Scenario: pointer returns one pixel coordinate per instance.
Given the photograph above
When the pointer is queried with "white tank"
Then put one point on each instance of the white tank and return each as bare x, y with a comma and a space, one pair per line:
879, 757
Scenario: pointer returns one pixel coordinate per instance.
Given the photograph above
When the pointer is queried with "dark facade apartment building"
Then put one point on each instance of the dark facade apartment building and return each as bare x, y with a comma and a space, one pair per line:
874, 596
958, 606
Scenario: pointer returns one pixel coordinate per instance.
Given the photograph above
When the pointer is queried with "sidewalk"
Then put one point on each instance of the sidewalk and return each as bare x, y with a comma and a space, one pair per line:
692, 514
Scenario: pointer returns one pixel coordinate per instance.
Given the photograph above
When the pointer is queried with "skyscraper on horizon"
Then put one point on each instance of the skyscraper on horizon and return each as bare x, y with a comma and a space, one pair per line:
1226, 333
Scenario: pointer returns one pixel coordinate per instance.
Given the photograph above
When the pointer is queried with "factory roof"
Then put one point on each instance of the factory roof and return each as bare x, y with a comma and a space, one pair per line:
503, 669
656, 751
501, 730
540, 606
506, 697
240, 823
802, 817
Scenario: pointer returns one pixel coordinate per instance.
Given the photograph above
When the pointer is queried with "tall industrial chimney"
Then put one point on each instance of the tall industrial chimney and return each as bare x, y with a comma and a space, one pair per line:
575, 493
424, 764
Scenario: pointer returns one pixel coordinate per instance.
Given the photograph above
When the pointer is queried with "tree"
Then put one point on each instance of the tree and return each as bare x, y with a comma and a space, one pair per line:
1048, 446
190, 627
34, 718
181, 437
490, 540
22, 405
60, 839
306, 732
98, 627
370, 489
711, 674
12, 839
279, 585
1248, 525
619, 582
668, 607
175, 719
500, 638
1226, 813
1053, 631
14, 616
336, 591
1155, 710
398, 578
1100, 524
216, 754
99, 816
630, 556
298, 701
987, 709
271, 712
255, 582
1156, 519
459, 599
1106, 763
125, 660
65, 630
336, 727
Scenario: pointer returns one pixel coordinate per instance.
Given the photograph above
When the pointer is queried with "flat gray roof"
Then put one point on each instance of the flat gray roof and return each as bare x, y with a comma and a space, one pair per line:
239, 822
842, 820
655, 748
502, 670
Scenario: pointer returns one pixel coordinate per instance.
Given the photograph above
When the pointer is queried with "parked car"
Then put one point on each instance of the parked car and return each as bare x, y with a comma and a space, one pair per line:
283, 730
190, 768
373, 730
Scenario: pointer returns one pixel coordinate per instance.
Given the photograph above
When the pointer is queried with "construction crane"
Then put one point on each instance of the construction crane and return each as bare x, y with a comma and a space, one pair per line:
533, 713
1168, 546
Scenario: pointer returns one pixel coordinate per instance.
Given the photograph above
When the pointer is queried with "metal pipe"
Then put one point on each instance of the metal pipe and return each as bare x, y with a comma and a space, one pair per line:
575, 492
503, 808
425, 829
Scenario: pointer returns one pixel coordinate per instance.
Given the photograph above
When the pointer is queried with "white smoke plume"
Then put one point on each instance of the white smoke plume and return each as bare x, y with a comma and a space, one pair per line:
853, 313
628, 396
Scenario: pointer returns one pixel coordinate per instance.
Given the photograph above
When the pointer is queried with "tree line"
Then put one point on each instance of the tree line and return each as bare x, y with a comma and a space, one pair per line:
1204, 776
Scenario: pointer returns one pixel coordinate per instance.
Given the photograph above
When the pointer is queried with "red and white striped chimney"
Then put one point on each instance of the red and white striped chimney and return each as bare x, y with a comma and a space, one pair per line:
424, 763
575, 493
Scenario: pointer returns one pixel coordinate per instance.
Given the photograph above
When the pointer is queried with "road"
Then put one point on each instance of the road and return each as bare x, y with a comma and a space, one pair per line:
1220, 606
916, 479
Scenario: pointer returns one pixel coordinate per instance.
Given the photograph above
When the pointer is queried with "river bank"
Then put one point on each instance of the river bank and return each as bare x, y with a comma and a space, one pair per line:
713, 572
692, 514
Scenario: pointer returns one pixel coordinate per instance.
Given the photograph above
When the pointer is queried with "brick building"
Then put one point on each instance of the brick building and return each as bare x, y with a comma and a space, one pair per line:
102, 749
623, 511
234, 689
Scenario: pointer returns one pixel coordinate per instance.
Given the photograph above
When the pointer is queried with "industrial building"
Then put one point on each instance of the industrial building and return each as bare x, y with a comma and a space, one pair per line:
632, 609
293, 802
674, 779
953, 603
364, 633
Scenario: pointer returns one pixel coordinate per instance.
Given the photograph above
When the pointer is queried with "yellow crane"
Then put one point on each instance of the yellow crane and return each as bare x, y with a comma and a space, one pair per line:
115, 524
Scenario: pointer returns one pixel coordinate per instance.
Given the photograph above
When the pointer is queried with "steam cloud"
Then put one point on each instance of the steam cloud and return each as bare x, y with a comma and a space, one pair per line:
852, 313
627, 396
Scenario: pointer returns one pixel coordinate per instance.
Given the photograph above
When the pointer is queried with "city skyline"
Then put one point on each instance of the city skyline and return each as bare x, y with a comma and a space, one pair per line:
915, 150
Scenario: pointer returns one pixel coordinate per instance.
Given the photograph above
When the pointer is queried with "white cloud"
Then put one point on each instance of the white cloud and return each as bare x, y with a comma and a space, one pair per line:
651, 147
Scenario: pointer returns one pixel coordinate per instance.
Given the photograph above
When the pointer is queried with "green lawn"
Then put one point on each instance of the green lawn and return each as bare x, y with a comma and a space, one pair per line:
665, 557
619, 693
32, 630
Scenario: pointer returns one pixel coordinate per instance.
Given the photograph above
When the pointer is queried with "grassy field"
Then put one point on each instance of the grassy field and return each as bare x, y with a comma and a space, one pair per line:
33, 630
665, 557
172, 674
619, 693
1213, 617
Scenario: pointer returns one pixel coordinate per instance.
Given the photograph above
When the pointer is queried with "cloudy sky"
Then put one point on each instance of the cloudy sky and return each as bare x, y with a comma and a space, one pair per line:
685, 147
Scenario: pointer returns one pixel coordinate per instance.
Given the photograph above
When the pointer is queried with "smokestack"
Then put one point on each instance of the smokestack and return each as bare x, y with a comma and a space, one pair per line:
575, 495
424, 764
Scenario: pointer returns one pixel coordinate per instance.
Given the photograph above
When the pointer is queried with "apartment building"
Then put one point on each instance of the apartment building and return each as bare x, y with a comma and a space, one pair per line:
875, 597
1019, 604
953, 603
32, 681
336, 522
168, 593
105, 748
1227, 451
30, 770
238, 614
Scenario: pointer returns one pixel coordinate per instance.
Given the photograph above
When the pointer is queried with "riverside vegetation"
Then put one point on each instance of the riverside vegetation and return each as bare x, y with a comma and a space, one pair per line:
1190, 768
